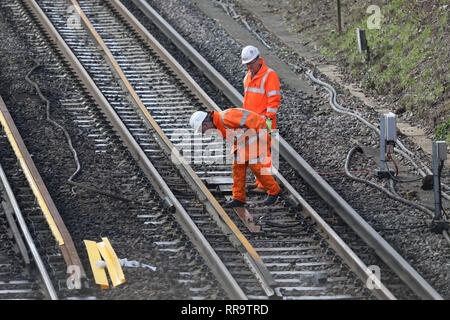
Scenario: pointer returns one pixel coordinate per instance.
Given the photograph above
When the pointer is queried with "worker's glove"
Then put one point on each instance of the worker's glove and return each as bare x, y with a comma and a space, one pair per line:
269, 125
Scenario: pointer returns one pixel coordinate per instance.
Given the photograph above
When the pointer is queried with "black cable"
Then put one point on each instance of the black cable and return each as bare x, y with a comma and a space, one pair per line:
399, 180
404, 228
443, 211
278, 231
390, 194
275, 224
68, 139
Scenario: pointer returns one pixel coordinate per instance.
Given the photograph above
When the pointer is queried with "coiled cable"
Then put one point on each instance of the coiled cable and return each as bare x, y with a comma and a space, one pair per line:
377, 186
69, 140
403, 150
393, 194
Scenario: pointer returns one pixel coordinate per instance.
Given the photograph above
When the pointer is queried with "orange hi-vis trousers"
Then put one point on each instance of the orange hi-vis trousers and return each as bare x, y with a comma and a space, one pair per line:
267, 163
239, 174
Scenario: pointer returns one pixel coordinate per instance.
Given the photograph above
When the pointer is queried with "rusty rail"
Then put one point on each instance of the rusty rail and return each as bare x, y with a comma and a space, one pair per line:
45, 201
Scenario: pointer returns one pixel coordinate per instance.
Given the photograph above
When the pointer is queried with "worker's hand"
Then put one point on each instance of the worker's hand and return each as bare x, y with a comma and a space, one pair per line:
269, 125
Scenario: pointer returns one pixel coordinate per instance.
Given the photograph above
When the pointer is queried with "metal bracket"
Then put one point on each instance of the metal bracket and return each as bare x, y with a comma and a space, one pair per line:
438, 226
439, 156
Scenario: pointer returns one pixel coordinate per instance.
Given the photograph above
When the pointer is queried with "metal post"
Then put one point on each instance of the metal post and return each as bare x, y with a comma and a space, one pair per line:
439, 155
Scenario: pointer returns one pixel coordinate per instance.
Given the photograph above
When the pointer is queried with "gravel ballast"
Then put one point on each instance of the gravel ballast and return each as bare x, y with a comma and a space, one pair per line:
170, 270
324, 138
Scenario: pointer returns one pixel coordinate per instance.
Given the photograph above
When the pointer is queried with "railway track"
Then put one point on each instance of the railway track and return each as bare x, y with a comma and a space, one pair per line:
192, 279
16, 282
349, 225
36, 255
294, 256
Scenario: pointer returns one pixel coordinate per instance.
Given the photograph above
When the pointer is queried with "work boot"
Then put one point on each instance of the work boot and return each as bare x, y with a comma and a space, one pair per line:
271, 199
258, 190
234, 203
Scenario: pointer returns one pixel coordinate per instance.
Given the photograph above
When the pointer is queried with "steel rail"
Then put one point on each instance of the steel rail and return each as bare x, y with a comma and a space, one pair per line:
212, 260
54, 220
200, 62
10, 206
333, 239
384, 250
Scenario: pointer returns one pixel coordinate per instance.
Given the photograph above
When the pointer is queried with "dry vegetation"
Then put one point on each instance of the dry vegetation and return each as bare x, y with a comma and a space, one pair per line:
410, 54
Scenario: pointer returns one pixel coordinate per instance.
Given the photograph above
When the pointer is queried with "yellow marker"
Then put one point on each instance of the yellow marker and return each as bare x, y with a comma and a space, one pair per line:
112, 262
94, 258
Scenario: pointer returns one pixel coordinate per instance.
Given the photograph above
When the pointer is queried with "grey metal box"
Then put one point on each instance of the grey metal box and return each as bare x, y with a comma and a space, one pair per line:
391, 127
442, 150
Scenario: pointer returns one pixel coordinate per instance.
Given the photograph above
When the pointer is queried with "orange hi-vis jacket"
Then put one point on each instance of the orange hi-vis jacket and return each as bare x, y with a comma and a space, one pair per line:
249, 131
262, 93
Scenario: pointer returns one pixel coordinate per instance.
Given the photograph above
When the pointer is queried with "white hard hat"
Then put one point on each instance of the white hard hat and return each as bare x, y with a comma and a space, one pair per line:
249, 53
196, 120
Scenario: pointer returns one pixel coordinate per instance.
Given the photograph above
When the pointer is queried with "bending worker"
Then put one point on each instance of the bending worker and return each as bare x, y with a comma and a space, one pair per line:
251, 148
261, 93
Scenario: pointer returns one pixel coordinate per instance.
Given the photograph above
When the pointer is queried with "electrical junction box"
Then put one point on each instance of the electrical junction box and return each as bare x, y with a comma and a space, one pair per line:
388, 136
390, 133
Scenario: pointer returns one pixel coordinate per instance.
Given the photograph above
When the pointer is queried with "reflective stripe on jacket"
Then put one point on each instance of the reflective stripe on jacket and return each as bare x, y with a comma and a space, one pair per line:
248, 129
262, 93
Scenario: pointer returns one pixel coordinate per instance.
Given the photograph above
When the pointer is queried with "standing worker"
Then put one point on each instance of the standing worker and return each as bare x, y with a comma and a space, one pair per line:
251, 141
261, 94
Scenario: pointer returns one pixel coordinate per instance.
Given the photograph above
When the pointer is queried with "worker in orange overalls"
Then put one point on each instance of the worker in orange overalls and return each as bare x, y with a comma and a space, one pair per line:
251, 145
261, 94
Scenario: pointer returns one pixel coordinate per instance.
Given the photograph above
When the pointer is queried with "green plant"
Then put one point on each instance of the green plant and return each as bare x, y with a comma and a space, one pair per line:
327, 53
443, 132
